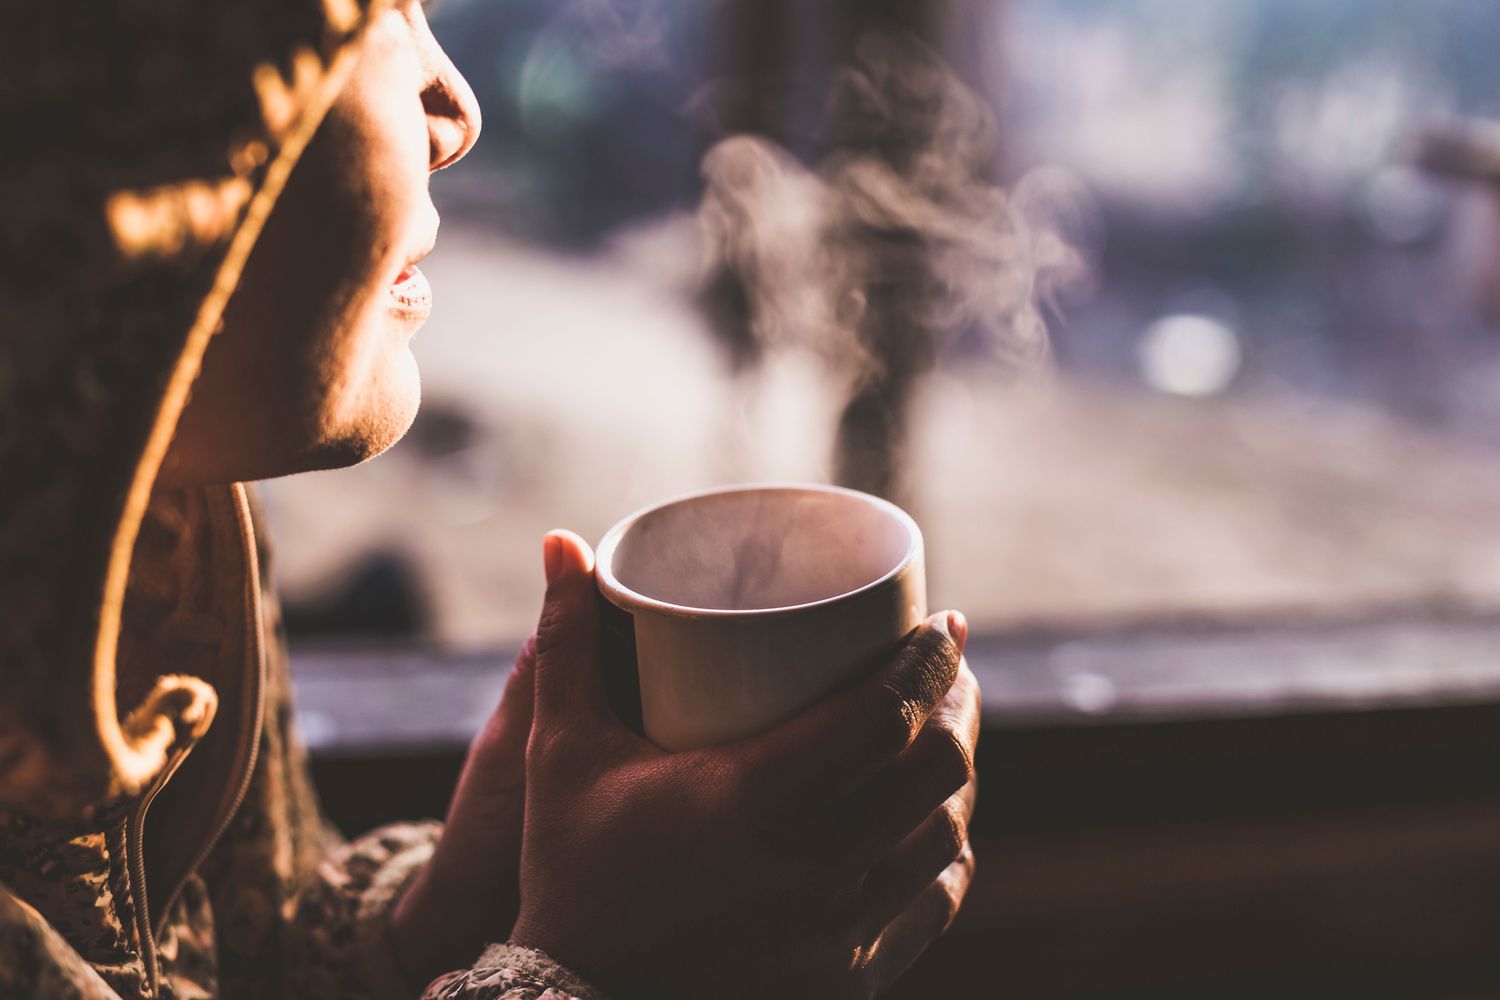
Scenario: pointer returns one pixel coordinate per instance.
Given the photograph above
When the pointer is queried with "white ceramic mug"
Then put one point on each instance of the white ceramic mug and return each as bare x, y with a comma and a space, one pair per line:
746, 604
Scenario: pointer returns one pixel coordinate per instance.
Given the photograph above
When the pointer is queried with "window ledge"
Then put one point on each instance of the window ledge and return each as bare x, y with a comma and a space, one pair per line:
357, 698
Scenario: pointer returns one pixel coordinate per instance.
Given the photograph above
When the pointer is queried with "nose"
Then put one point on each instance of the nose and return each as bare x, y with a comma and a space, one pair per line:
453, 119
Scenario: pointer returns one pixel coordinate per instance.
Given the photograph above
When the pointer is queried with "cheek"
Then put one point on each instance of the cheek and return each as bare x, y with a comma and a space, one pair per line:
309, 345
375, 200
348, 239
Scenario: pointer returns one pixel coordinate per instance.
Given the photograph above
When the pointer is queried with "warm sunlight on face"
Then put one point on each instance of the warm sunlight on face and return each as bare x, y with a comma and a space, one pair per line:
313, 368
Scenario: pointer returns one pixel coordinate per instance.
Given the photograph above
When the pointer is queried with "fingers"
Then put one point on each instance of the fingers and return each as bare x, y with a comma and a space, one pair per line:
939, 763
569, 670
906, 872
923, 922
840, 743
510, 724
473, 879
496, 764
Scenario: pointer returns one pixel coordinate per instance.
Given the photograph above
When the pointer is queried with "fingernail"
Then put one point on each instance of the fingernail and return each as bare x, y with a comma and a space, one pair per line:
958, 627
552, 557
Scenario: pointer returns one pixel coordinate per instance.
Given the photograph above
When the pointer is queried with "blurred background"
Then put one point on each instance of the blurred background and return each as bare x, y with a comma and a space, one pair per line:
1175, 323
1271, 380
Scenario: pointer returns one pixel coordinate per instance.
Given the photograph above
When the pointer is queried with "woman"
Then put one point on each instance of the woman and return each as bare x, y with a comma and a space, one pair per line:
159, 836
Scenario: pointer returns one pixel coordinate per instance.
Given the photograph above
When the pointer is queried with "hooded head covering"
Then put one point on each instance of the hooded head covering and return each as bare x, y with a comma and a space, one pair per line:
145, 142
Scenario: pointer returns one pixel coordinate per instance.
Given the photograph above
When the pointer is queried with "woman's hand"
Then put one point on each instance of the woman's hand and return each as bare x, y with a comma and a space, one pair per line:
819, 859
468, 895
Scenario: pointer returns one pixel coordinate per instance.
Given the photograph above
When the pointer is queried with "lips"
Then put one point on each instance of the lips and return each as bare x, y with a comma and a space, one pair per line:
411, 294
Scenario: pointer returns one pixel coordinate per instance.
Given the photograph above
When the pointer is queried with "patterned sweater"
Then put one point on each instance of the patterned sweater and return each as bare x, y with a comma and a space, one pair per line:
277, 905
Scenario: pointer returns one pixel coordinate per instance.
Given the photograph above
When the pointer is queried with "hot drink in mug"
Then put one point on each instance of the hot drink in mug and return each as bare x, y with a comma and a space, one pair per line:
746, 604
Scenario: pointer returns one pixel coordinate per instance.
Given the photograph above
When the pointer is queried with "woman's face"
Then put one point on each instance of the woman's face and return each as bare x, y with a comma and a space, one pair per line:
312, 368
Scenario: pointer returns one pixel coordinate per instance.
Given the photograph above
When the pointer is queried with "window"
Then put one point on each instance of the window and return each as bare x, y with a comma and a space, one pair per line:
1274, 370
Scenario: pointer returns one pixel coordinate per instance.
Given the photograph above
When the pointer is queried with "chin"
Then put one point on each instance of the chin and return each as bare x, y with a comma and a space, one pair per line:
371, 423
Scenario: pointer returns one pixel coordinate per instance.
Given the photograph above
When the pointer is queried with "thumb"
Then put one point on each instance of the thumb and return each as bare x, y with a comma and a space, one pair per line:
569, 659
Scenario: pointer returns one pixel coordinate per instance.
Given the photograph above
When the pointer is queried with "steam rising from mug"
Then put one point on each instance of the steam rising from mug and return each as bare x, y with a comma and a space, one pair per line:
910, 152
751, 603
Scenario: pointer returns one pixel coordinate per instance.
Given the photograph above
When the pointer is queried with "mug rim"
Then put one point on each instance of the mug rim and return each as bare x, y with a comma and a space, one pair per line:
631, 600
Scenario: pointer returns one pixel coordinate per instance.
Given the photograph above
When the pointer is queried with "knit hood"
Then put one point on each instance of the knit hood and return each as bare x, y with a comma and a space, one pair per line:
144, 144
